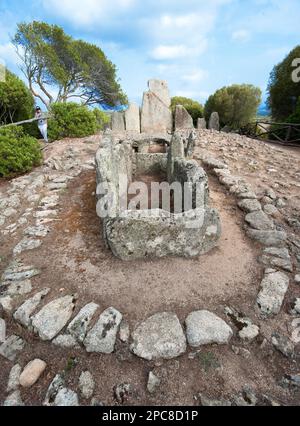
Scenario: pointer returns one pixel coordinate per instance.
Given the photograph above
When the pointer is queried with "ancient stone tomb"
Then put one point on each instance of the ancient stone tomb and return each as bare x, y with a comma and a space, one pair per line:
177, 221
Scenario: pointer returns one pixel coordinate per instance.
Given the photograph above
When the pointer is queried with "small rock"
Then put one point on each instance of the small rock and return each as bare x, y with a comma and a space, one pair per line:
2, 330
66, 398
283, 345
18, 272
159, 337
122, 392
296, 307
207, 402
153, 383
249, 206
66, 341
19, 288
79, 325
205, 328
293, 380
241, 351
6, 303
124, 332
56, 385
246, 399
37, 231
14, 400
102, 337
11, 347
270, 194
23, 313
249, 333
273, 289
14, 378
280, 203
86, 385
270, 210
32, 372
259, 220
9, 212
268, 238
26, 244
52, 318
297, 279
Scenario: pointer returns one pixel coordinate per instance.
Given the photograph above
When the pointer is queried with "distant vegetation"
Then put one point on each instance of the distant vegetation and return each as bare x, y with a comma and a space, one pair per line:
284, 93
236, 105
194, 108
16, 101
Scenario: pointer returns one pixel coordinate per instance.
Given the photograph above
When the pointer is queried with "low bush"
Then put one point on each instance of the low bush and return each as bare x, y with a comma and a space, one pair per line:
71, 120
19, 153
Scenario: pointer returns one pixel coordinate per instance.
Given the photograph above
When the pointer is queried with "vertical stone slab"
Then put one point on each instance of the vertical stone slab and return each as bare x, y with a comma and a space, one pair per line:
183, 120
176, 150
117, 122
156, 114
214, 122
132, 118
201, 124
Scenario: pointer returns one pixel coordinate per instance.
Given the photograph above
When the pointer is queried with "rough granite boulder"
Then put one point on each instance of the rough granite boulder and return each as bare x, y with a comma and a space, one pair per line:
53, 317
183, 120
205, 328
214, 122
201, 123
273, 290
117, 122
156, 115
102, 337
159, 337
132, 118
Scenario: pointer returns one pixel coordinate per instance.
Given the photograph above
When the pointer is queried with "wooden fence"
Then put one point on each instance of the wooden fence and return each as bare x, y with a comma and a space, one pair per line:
282, 133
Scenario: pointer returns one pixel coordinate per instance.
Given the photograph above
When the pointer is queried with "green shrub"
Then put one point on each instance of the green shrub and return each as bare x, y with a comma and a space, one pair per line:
19, 153
194, 108
71, 120
237, 105
102, 118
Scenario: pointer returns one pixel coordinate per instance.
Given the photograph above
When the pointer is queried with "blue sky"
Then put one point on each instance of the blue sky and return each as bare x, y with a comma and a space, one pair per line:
198, 46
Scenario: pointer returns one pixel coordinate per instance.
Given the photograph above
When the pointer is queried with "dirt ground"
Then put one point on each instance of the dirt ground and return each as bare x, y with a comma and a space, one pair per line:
74, 260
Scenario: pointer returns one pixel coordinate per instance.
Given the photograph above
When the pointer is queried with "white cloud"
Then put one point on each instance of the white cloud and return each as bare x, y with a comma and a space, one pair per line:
195, 76
241, 35
86, 12
167, 52
8, 55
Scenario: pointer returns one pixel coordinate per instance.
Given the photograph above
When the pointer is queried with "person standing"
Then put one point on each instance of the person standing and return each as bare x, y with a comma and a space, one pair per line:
42, 123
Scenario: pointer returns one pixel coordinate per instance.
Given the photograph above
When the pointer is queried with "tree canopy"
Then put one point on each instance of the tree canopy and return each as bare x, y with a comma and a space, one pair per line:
54, 62
236, 104
16, 101
194, 108
283, 91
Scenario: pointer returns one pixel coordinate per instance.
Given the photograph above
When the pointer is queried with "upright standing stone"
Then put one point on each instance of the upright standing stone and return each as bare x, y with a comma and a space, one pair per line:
176, 150
214, 122
132, 118
117, 122
201, 123
156, 114
183, 120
